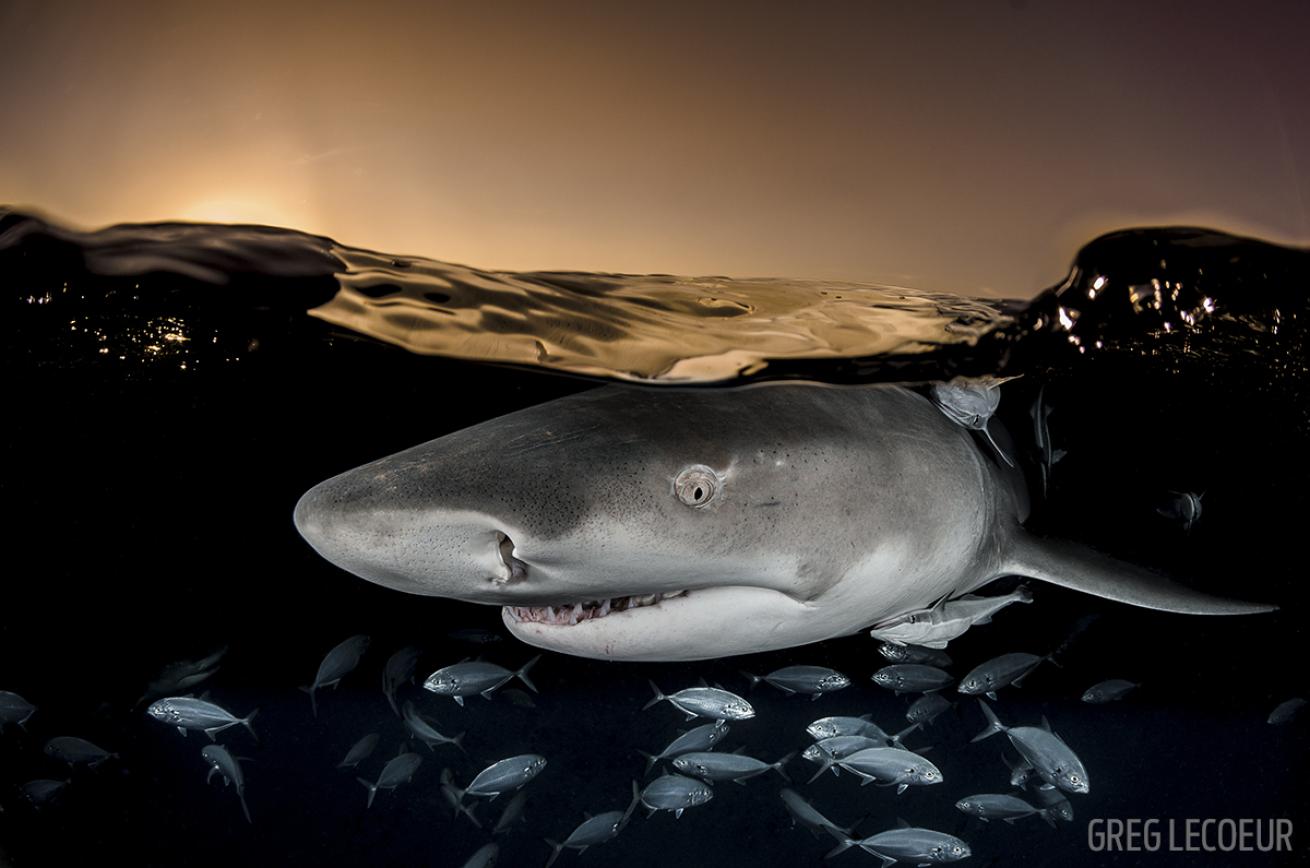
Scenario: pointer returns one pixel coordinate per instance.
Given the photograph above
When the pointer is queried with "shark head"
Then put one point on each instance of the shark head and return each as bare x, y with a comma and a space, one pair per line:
657, 524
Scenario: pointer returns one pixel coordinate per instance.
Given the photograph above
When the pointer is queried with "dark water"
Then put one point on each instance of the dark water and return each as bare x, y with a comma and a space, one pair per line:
171, 399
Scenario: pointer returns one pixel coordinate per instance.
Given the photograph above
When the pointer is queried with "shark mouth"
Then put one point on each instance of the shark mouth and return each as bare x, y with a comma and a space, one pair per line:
570, 614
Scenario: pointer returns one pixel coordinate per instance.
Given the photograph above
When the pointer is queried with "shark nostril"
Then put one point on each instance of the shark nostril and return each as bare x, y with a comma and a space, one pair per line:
512, 569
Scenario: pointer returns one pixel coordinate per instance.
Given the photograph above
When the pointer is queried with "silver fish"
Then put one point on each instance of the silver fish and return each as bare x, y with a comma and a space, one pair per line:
1108, 691
398, 770
359, 751
829, 752
453, 797
675, 793
891, 765
911, 678
1002, 671
183, 675
804, 813
1286, 711
830, 727
484, 857
700, 738
512, 814
937, 625
475, 678
914, 654
997, 806
926, 708
504, 776
715, 767
1045, 751
811, 680
338, 663
43, 790
595, 830
908, 844
223, 763
711, 702
187, 712
398, 671
425, 732
77, 751
14, 709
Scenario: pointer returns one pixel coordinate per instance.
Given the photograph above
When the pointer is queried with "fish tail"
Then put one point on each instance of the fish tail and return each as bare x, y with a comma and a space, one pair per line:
896, 739
755, 679
778, 766
1023, 594
458, 741
651, 759
555, 849
245, 721
522, 674
994, 724
846, 843
659, 696
1045, 814
632, 806
827, 764
391, 700
372, 791
313, 703
244, 809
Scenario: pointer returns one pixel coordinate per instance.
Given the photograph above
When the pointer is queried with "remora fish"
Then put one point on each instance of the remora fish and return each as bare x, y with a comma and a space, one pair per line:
223, 763
77, 751
908, 844
359, 751
187, 712
1108, 691
1002, 671
425, 732
683, 546
476, 678
398, 770
675, 793
504, 776
972, 403
712, 702
700, 738
338, 663
1043, 750
948, 619
812, 680
914, 654
398, 671
715, 767
911, 678
595, 830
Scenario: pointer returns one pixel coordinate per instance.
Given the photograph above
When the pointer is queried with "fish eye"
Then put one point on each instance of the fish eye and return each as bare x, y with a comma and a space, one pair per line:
697, 486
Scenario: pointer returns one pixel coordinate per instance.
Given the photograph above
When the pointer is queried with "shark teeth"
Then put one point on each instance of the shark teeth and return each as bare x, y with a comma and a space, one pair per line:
574, 613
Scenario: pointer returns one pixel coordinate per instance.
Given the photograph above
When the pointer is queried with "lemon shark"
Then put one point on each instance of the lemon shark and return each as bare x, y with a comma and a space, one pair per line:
677, 524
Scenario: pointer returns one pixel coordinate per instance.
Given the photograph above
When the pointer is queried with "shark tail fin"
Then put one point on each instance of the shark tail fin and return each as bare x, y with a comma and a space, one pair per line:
994, 724
659, 696
522, 674
1079, 568
372, 791
555, 848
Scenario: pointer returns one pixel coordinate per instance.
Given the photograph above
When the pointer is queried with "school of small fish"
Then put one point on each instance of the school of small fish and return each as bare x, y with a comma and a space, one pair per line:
1042, 770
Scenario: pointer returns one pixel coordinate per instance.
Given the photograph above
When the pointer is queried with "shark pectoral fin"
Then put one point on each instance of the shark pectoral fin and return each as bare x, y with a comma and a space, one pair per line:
1080, 568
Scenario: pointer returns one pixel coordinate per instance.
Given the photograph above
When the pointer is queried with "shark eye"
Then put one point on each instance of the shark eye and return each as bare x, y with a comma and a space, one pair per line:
696, 486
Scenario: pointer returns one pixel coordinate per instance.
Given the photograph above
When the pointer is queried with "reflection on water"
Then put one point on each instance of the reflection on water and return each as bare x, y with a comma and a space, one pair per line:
153, 524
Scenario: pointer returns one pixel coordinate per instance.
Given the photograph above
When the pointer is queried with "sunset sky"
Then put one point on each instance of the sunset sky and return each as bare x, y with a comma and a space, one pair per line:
967, 147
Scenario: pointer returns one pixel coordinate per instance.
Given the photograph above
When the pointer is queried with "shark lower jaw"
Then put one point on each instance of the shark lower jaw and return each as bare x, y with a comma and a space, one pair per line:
697, 624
